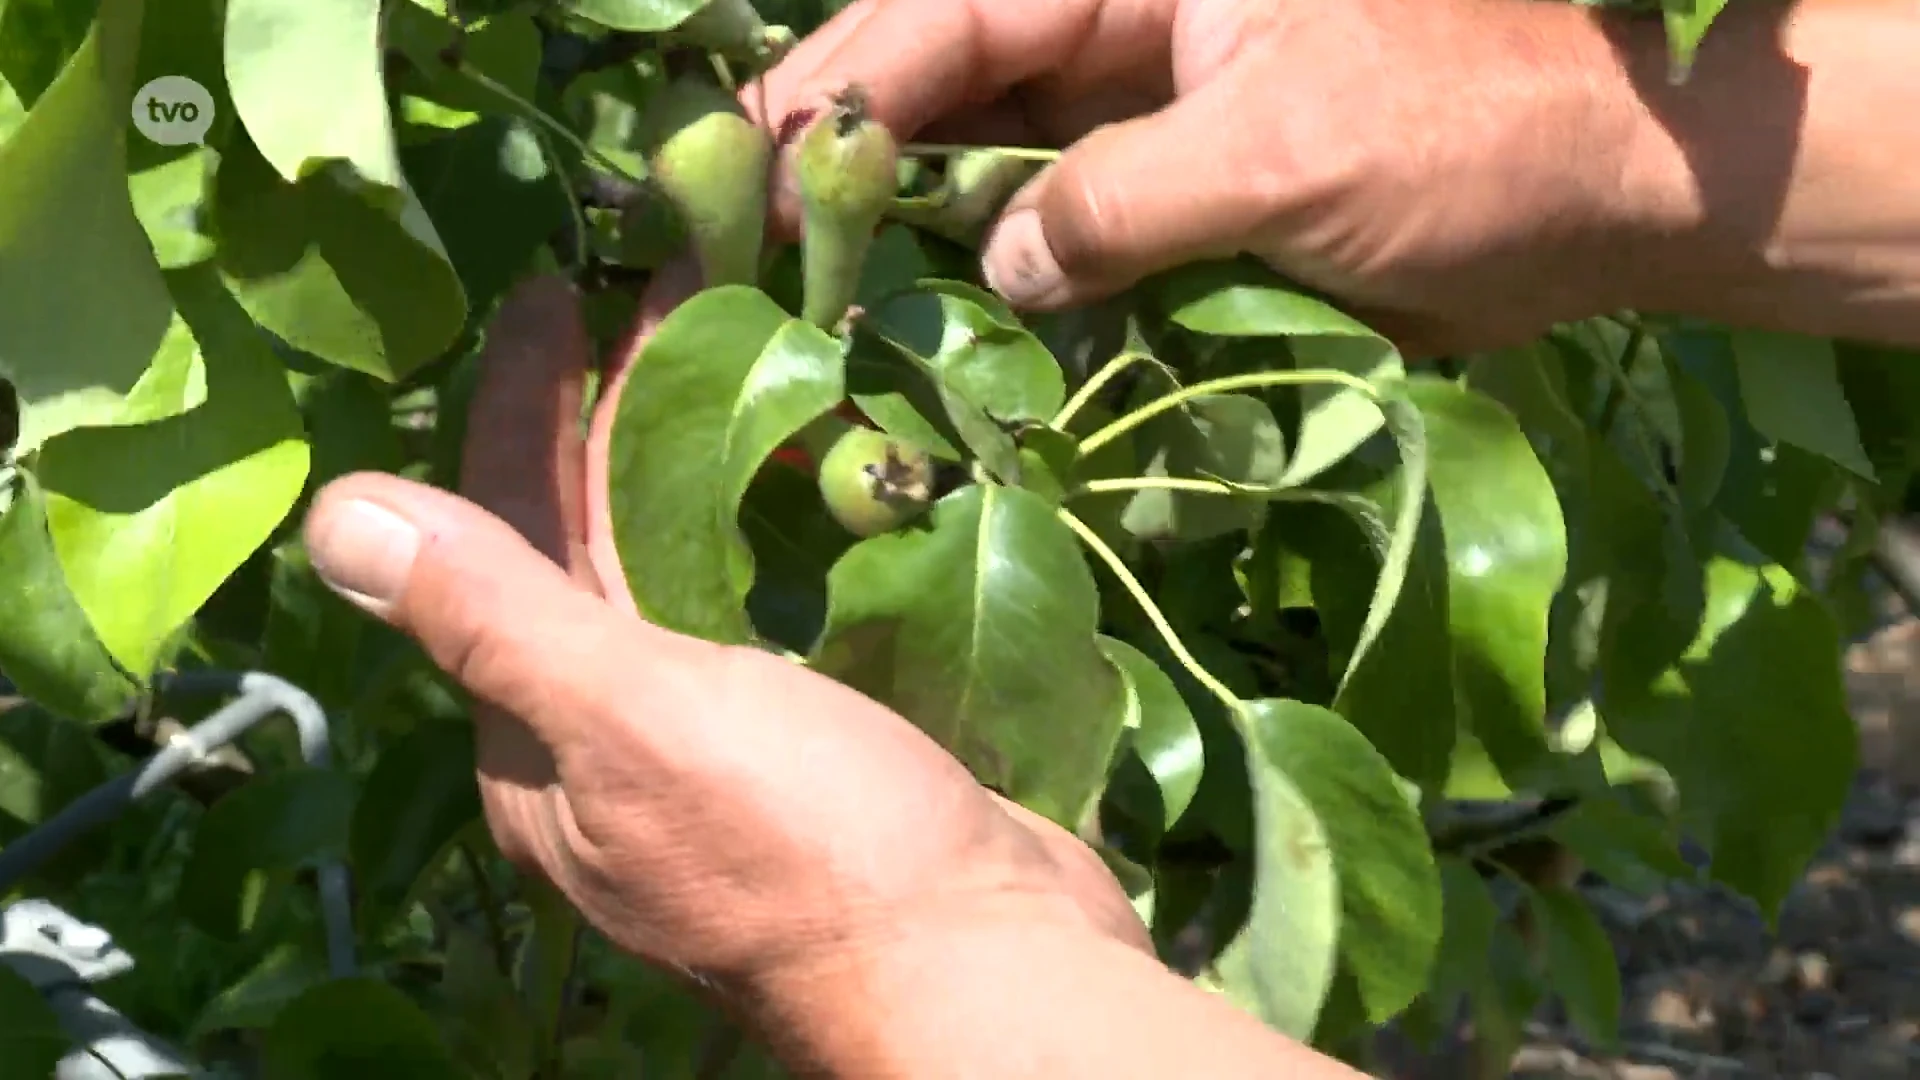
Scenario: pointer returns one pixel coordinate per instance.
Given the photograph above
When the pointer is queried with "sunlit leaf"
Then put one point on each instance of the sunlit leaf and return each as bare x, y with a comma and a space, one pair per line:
980, 628
726, 379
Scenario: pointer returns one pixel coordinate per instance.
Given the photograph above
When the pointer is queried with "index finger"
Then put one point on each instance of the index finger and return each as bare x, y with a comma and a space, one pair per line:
920, 60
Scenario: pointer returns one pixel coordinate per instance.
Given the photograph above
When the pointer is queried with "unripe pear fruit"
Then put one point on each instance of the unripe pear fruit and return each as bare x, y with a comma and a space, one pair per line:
873, 483
846, 165
977, 187
711, 162
733, 28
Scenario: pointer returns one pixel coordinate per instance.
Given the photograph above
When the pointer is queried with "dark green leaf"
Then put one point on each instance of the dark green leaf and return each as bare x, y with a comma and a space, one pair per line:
988, 373
1399, 693
1759, 686
1389, 886
1215, 436
47, 762
504, 47
325, 269
725, 380
1506, 554
37, 37
1791, 386
419, 797
494, 199
47, 646
355, 1028
273, 824
979, 627
32, 1041
258, 996
1163, 734
795, 544
1244, 298
1581, 966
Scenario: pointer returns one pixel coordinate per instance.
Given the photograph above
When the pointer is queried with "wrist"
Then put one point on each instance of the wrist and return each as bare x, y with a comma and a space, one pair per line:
1769, 189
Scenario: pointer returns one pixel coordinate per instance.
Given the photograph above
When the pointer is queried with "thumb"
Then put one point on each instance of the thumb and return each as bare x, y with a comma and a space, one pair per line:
491, 610
1128, 200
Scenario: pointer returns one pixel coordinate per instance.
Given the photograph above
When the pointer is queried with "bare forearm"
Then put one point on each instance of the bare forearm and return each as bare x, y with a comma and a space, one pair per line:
1019, 999
1785, 168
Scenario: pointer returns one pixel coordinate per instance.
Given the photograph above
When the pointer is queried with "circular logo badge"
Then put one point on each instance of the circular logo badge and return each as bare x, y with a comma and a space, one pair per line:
173, 110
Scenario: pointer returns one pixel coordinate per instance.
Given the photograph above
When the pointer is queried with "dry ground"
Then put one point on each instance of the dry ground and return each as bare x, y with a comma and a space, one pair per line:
1836, 993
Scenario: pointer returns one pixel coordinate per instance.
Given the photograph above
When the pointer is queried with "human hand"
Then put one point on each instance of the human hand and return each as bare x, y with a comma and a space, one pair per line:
1460, 172
718, 810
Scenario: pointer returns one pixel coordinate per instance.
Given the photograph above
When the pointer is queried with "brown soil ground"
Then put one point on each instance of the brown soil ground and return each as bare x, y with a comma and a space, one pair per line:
1710, 993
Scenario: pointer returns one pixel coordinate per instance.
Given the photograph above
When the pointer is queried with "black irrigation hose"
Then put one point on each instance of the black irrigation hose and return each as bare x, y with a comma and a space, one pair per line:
256, 696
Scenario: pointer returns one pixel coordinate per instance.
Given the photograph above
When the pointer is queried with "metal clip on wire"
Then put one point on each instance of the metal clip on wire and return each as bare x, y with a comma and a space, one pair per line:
257, 696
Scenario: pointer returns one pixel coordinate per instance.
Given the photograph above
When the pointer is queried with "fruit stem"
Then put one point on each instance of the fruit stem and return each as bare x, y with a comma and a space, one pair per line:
539, 116
1249, 381
1107, 373
1154, 483
582, 248
1024, 153
1154, 615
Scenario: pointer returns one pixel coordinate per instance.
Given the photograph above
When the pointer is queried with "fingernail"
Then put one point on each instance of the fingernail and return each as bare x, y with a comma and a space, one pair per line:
1018, 264
365, 553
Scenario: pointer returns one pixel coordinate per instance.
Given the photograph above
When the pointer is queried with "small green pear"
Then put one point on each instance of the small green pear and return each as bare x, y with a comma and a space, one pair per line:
711, 163
873, 483
847, 168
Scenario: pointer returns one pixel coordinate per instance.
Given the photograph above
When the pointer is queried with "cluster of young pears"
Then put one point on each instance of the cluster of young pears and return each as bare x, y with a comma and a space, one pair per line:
710, 164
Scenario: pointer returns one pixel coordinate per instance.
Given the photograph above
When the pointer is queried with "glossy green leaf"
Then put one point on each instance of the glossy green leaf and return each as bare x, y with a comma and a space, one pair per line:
420, 796
979, 627
356, 1028
1389, 887
1468, 920
1399, 691
1580, 963
1791, 386
1162, 733
329, 272
726, 379
643, 16
149, 519
32, 1042
1215, 436
278, 53
66, 164
273, 824
989, 374
1760, 685
47, 646
1280, 966
1243, 298
902, 398
1506, 554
